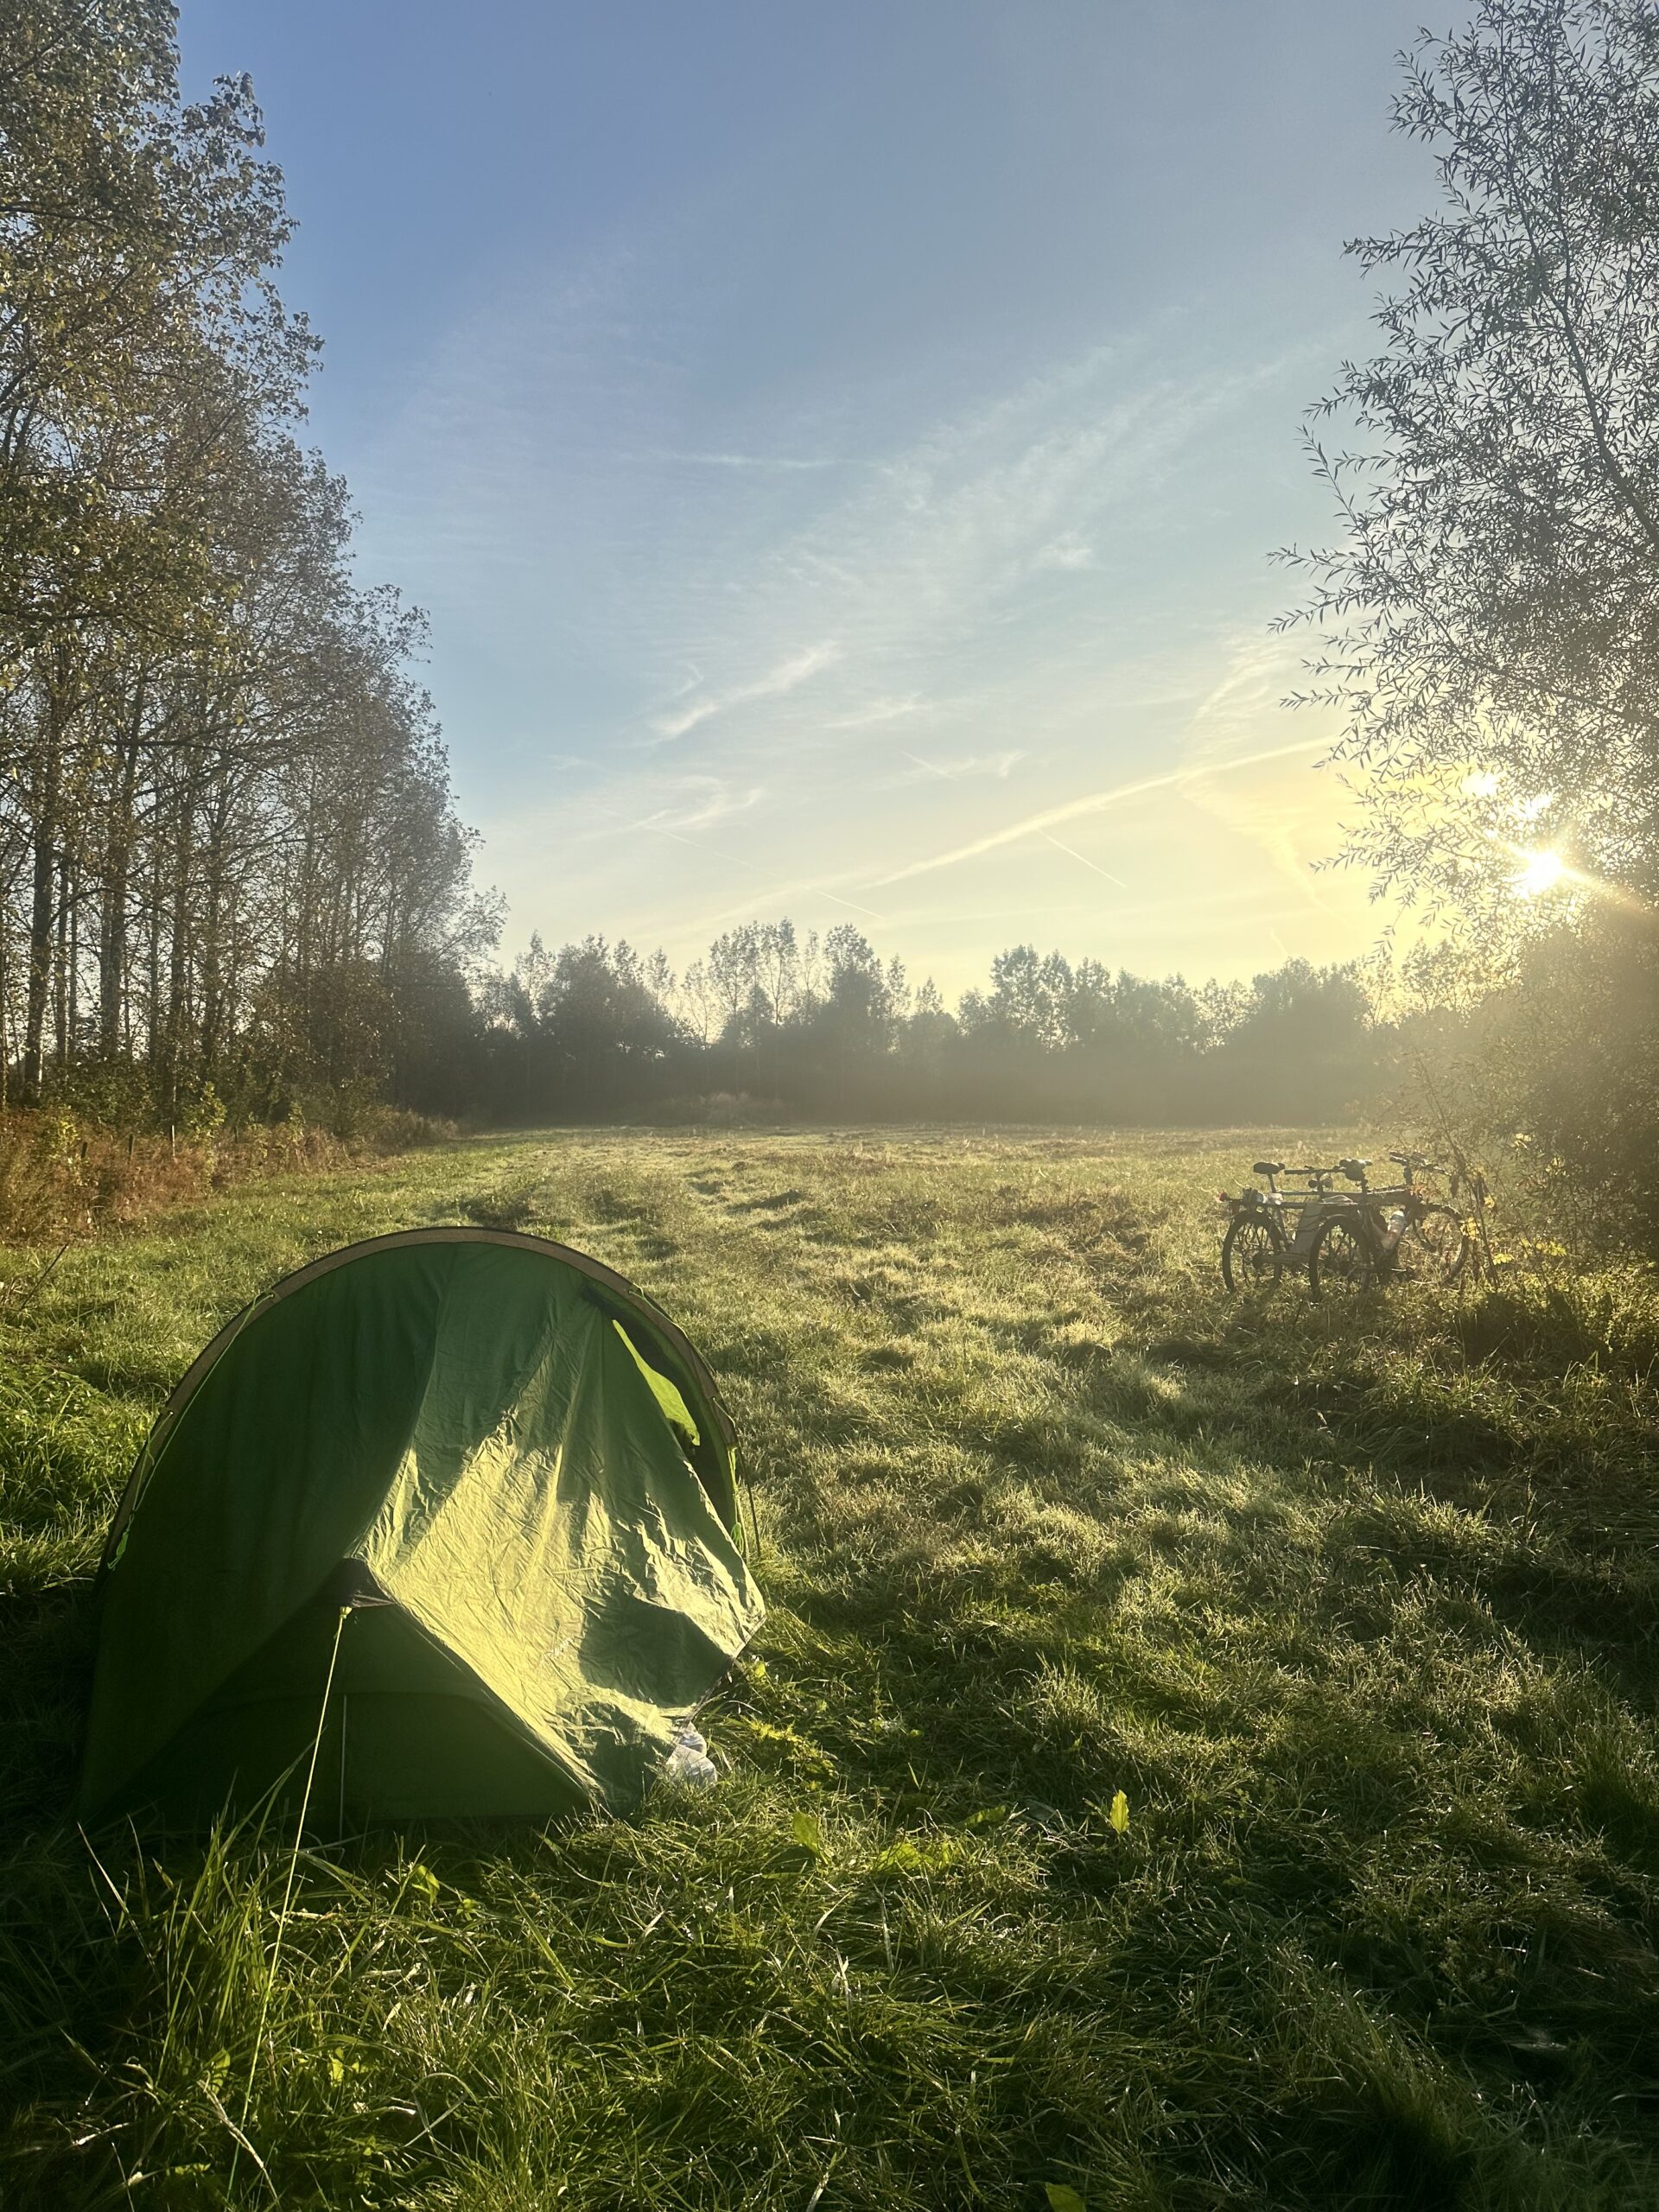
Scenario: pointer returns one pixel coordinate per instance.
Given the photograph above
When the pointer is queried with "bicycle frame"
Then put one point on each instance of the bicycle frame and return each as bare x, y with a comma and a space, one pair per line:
1381, 1222
1379, 1226
1293, 1218
1381, 1234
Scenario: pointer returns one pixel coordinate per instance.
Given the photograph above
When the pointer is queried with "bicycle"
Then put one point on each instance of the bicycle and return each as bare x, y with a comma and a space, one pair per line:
1259, 1243
1403, 1233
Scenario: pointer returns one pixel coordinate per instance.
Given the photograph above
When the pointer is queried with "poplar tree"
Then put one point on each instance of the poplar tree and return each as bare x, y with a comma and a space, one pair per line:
229, 857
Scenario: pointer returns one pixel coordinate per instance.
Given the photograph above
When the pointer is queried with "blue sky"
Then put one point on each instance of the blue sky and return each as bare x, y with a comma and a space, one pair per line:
839, 448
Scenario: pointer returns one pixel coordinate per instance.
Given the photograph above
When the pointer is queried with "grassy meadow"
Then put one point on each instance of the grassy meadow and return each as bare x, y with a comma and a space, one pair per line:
1351, 1610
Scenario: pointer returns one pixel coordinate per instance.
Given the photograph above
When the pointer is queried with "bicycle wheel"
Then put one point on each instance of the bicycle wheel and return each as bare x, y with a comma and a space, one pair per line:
1340, 1261
1435, 1249
1252, 1258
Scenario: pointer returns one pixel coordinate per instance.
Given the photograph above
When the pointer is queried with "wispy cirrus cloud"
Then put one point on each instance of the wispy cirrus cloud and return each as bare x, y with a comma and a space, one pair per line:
797, 669
1000, 766
937, 573
878, 711
973, 620
1069, 554
702, 801
782, 464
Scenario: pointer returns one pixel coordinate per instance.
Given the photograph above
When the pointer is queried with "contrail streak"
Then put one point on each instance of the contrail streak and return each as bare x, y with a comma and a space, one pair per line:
850, 905
701, 845
1072, 851
1094, 802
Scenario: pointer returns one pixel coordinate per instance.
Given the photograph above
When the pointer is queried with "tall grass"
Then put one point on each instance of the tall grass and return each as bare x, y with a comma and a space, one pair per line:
64, 1177
1353, 1614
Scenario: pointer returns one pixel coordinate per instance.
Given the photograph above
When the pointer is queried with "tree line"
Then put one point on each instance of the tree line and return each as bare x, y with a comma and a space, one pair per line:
774, 1021
230, 868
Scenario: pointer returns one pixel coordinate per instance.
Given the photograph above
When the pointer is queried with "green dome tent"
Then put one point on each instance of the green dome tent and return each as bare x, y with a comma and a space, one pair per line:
480, 1474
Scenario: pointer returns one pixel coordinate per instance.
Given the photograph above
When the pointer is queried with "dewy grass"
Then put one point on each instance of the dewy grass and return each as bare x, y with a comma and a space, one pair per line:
1201, 1752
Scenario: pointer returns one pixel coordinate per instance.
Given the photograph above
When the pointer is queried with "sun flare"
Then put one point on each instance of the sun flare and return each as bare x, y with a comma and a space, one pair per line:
1540, 873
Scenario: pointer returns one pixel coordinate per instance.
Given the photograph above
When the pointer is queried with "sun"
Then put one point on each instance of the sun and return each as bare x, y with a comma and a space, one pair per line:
1539, 871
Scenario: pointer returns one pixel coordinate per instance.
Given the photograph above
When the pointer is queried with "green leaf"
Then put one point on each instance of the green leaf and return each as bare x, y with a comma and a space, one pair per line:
1119, 1815
900, 1858
987, 1816
804, 1827
1060, 2198
422, 1879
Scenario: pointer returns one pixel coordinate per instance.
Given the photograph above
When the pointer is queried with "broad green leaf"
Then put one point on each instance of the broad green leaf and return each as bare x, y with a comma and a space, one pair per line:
804, 1827
1062, 2199
900, 1858
1119, 1814
987, 1816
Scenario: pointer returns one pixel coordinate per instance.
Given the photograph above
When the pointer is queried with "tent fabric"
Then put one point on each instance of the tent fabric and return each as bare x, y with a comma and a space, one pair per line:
509, 1467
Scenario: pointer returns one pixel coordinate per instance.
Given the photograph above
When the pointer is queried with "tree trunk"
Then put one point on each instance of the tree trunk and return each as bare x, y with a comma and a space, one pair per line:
153, 1042
179, 963
61, 971
5, 1013
112, 905
44, 856
213, 945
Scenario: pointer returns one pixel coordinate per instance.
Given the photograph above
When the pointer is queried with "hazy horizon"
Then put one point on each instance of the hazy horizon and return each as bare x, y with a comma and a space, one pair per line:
840, 455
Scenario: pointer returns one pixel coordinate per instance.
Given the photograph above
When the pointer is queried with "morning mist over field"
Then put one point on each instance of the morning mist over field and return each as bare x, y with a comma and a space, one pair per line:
839, 451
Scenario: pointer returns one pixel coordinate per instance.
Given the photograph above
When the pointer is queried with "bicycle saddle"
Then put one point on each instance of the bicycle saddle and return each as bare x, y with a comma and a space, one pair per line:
1269, 1168
1353, 1169
1409, 1159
